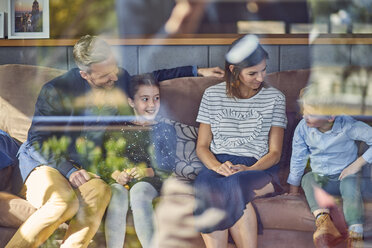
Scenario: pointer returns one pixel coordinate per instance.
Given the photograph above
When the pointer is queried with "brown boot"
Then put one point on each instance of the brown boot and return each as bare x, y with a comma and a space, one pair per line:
326, 234
355, 240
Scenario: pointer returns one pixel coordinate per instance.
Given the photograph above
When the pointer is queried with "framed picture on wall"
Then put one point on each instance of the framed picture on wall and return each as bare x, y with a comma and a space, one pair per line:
28, 19
2, 25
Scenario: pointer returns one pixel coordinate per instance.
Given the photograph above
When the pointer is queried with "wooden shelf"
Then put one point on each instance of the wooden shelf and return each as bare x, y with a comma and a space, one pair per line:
217, 39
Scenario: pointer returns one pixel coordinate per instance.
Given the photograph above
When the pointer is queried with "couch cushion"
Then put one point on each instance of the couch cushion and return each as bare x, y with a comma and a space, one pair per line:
20, 86
13, 121
14, 210
285, 212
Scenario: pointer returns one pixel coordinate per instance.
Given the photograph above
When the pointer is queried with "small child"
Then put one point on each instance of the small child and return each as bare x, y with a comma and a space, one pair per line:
329, 142
154, 147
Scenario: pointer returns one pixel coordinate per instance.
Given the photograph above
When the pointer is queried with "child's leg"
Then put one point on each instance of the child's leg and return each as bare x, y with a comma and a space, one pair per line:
141, 197
308, 183
326, 233
353, 209
352, 200
115, 223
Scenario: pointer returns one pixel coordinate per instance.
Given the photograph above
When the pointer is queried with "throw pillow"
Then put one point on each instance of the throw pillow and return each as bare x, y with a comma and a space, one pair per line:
188, 164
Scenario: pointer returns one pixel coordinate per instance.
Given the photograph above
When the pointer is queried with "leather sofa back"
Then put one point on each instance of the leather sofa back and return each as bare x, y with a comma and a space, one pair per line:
20, 85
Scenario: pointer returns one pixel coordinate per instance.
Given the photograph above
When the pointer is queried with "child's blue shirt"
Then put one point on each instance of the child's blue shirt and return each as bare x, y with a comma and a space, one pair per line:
329, 152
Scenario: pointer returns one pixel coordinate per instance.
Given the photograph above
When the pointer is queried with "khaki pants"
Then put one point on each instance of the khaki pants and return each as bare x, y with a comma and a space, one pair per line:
56, 202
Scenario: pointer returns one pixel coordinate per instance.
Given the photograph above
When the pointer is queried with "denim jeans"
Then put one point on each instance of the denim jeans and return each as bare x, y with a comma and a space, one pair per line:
348, 188
141, 196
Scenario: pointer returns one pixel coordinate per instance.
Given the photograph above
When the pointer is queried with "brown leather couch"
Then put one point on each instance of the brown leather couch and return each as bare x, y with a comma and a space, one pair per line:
287, 221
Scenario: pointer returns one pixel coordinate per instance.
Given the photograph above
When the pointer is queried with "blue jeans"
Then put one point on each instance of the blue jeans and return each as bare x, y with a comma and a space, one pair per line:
348, 188
140, 196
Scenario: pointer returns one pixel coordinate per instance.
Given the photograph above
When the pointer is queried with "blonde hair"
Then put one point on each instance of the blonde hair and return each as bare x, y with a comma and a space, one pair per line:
319, 105
89, 50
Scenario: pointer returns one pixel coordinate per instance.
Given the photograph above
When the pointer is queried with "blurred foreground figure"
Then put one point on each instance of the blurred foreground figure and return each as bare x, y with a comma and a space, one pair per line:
186, 16
175, 224
159, 17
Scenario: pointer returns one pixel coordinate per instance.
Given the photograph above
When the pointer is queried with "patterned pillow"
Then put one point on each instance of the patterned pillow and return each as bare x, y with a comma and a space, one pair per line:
188, 164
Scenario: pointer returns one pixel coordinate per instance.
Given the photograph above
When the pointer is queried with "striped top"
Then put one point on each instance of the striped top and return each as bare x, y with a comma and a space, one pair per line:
241, 126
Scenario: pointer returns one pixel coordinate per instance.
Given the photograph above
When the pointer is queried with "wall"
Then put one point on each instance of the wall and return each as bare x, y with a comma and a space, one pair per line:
140, 59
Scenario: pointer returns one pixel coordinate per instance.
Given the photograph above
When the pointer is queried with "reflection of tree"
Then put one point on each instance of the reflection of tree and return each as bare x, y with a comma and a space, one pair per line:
359, 11
74, 18
99, 159
360, 78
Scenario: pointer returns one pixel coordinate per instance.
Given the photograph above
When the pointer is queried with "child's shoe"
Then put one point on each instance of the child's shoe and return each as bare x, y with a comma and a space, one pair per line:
326, 233
355, 240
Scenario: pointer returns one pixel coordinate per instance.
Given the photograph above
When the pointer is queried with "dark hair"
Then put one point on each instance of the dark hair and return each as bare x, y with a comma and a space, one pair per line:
147, 79
231, 78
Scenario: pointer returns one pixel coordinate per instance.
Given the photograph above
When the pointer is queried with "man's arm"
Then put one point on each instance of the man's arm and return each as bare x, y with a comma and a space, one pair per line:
211, 72
187, 71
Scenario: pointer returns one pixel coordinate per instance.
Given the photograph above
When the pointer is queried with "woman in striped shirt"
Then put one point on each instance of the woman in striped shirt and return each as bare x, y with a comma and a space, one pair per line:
240, 140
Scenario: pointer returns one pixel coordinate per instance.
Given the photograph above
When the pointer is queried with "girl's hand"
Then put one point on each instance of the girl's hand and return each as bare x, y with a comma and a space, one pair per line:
139, 173
115, 174
123, 178
226, 169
